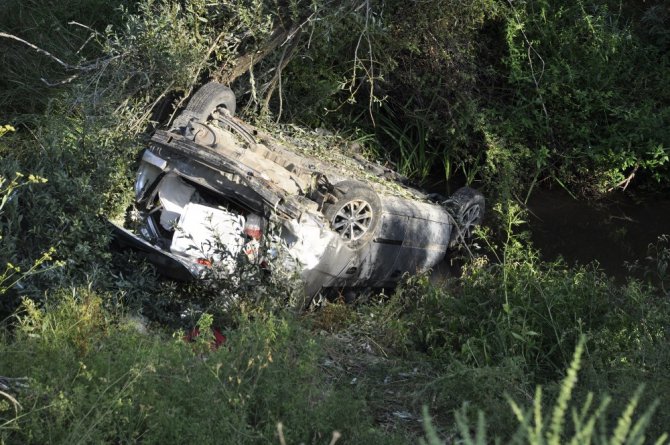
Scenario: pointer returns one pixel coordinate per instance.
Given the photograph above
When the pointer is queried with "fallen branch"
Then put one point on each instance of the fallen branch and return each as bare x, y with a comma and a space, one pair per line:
246, 61
8, 384
15, 403
625, 182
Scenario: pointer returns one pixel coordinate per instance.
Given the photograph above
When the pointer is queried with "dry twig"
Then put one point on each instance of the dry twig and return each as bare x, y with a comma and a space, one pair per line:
90, 66
624, 183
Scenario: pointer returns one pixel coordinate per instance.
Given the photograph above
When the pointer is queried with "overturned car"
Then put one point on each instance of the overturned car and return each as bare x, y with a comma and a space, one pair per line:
213, 180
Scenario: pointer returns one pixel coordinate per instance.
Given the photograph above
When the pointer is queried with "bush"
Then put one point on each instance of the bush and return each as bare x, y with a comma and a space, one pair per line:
588, 423
93, 378
508, 325
582, 92
86, 143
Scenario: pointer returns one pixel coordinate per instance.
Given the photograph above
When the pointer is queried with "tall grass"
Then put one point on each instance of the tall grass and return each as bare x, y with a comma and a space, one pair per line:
411, 145
92, 378
587, 423
512, 322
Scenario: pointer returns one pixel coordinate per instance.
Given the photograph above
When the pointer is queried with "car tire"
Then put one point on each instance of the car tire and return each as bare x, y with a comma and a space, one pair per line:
208, 98
468, 206
204, 102
356, 213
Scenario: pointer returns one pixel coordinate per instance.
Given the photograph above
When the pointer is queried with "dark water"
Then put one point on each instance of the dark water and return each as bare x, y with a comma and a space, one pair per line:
611, 231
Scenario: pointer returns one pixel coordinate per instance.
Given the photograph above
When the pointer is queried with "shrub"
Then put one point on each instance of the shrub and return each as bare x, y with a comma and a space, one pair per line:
94, 378
509, 324
582, 93
588, 423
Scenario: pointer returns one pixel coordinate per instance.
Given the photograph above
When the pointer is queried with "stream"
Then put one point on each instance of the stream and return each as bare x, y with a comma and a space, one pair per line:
612, 232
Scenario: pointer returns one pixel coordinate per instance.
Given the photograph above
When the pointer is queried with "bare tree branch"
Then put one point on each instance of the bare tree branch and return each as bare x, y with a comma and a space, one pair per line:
60, 82
40, 50
626, 181
269, 88
95, 64
246, 61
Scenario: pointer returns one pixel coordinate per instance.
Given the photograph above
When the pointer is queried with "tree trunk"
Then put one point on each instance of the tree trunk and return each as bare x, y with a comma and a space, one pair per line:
227, 75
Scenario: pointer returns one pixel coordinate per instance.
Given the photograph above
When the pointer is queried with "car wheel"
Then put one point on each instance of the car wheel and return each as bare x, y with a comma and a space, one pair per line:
468, 207
209, 98
356, 213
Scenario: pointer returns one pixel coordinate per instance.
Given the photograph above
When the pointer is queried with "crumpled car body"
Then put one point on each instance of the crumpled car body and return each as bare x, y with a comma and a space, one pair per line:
208, 189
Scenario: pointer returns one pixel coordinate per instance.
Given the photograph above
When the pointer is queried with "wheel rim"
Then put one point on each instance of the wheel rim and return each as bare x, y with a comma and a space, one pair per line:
353, 220
469, 219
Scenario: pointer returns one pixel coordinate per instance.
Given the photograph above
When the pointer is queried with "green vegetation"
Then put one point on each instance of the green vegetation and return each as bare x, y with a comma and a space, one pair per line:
101, 382
508, 95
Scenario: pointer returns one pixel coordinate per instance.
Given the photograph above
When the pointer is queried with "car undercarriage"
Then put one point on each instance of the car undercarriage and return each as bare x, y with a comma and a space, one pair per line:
209, 189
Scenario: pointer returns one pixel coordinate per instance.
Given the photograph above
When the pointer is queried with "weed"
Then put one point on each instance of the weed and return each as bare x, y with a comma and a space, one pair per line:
95, 379
589, 423
416, 157
9, 189
511, 322
655, 266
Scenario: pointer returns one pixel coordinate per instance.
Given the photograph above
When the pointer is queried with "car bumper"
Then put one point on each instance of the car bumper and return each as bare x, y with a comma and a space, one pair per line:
167, 263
